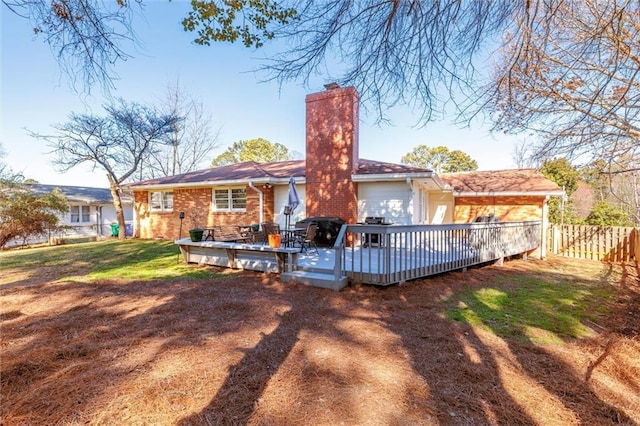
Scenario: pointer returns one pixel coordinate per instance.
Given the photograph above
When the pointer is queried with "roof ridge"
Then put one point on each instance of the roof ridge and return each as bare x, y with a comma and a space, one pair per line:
490, 171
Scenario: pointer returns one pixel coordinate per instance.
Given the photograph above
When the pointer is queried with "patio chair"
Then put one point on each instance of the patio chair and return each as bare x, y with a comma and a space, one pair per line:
270, 228
306, 240
257, 237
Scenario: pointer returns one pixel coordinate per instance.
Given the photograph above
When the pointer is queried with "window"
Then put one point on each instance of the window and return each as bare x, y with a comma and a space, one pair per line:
230, 199
161, 201
80, 214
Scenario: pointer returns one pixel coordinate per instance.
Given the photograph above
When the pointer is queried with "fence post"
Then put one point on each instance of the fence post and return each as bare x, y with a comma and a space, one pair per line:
634, 240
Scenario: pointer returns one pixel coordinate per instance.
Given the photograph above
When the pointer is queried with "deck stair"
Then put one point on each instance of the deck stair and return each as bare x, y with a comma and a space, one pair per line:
316, 278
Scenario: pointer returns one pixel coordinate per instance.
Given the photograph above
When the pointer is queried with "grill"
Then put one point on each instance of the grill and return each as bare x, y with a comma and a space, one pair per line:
328, 229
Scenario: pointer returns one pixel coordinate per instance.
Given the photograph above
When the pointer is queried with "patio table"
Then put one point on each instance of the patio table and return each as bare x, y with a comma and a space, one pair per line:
289, 235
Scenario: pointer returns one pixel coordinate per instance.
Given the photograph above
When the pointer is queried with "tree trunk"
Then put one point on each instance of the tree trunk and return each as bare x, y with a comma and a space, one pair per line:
117, 203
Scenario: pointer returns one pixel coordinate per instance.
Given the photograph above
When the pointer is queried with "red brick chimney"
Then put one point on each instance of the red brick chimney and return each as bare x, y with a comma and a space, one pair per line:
332, 153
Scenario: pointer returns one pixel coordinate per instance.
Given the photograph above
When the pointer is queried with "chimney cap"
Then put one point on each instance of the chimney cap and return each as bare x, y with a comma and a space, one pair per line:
331, 86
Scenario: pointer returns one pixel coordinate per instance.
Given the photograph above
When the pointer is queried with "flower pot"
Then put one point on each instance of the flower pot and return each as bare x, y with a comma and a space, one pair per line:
196, 234
275, 240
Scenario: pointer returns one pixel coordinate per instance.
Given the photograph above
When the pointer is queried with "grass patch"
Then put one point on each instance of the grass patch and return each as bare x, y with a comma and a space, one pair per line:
127, 260
530, 309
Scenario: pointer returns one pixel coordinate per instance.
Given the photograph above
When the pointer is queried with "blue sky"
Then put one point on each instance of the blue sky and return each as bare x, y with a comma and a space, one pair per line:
35, 95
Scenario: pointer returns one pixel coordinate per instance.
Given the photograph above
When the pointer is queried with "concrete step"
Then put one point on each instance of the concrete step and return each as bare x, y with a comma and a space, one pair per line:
314, 279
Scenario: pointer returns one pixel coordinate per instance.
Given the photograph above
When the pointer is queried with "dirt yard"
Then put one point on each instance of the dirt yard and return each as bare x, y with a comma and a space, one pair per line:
250, 350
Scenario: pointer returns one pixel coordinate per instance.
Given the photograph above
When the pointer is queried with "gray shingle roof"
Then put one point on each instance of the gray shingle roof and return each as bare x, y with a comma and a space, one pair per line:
366, 167
78, 194
501, 181
274, 171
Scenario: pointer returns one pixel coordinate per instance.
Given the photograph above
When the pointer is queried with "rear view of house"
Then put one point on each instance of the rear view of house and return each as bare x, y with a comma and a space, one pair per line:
333, 181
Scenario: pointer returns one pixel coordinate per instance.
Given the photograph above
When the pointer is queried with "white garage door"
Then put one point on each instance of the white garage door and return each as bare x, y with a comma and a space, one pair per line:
391, 200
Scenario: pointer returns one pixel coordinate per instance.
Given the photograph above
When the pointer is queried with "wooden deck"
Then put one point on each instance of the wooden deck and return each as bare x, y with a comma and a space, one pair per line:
254, 257
403, 252
408, 252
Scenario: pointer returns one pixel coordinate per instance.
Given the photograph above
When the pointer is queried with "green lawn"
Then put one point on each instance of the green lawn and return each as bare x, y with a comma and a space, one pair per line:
530, 308
123, 260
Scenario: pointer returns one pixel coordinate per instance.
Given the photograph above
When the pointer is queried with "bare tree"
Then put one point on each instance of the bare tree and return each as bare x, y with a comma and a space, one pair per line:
577, 85
618, 188
190, 143
523, 155
117, 143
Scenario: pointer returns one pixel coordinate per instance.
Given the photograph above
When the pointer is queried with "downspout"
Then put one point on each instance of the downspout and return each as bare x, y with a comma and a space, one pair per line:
261, 202
414, 214
545, 227
99, 220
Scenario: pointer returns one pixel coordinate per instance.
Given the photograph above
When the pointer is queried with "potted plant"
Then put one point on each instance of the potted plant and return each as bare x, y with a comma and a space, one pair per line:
196, 231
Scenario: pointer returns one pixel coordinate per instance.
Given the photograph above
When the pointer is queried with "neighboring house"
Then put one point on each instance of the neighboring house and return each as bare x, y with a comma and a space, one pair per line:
334, 181
91, 210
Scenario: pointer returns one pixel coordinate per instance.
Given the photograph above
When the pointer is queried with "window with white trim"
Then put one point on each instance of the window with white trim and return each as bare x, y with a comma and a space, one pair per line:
161, 201
80, 214
229, 199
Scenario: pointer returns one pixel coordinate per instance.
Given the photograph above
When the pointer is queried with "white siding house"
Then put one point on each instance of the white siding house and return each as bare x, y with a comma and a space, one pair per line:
91, 212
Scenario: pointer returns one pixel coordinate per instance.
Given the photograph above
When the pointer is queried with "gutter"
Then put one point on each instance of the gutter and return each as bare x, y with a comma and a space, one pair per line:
408, 177
392, 176
261, 202
210, 184
509, 194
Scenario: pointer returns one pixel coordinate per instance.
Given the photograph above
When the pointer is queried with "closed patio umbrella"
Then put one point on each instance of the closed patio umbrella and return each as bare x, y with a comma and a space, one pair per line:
293, 201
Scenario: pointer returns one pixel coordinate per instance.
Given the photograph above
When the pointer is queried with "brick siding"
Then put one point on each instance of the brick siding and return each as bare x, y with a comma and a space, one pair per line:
332, 153
166, 225
510, 208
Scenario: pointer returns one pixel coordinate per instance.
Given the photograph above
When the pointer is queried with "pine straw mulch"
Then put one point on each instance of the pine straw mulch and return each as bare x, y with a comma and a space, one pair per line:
250, 350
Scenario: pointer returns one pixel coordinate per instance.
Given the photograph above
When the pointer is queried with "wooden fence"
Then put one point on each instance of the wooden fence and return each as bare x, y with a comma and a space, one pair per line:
605, 243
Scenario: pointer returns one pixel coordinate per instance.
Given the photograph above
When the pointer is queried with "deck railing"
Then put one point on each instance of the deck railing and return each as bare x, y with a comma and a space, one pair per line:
390, 254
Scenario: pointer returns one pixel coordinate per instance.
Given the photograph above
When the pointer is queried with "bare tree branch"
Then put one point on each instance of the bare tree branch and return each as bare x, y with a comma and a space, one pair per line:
412, 52
87, 37
576, 86
191, 142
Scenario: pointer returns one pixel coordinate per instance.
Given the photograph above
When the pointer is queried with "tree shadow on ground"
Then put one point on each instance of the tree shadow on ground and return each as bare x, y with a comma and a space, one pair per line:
578, 401
104, 335
287, 355
464, 379
236, 400
459, 390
